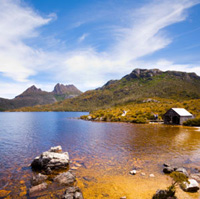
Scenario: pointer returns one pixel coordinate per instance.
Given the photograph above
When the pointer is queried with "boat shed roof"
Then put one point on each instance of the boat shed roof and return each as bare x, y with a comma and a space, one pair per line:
182, 112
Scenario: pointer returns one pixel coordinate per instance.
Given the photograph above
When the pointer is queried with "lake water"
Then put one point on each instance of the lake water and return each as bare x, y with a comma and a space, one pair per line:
106, 151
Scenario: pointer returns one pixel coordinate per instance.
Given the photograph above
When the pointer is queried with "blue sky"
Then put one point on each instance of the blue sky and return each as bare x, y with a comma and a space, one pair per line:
87, 43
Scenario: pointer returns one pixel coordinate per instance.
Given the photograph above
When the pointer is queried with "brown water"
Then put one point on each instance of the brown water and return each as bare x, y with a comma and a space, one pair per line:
106, 153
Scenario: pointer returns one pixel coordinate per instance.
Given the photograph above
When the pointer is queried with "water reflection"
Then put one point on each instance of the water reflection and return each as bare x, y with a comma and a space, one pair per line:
110, 148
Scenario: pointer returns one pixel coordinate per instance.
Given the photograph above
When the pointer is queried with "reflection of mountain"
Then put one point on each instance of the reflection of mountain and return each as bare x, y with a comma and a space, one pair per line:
34, 96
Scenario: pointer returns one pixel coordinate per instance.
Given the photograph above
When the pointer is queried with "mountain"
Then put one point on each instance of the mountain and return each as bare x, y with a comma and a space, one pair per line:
65, 91
139, 84
35, 96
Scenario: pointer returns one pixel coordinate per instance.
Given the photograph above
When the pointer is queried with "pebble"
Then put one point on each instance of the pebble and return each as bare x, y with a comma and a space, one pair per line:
143, 174
133, 172
123, 197
74, 168
166, 165
152, 175
78, 165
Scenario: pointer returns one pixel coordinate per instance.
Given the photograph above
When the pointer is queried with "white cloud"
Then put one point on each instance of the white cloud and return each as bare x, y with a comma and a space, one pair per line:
88, 68
82, 38
144, 36
17, 23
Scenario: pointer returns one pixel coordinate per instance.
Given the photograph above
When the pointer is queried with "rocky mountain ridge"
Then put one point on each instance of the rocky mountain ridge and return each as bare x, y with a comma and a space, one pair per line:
140, 84
33, 96
70, 89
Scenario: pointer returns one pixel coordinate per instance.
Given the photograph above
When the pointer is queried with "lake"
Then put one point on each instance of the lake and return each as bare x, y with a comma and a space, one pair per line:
106, 151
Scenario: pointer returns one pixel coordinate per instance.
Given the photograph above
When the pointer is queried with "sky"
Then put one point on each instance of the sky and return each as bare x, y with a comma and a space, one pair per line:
87, 43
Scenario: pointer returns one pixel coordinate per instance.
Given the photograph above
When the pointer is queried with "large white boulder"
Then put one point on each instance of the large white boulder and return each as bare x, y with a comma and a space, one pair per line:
192, 186
49, 160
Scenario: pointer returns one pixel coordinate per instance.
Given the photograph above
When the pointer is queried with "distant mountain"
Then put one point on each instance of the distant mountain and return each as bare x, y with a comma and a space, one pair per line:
30, 91
35, 96
139, 84
66, 91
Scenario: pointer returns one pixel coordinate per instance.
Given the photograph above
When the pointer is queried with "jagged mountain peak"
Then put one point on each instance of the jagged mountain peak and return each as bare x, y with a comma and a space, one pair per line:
140, 73
60, 89
33, 88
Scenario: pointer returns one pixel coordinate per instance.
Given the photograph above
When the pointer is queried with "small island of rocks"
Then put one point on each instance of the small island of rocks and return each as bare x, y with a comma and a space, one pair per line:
51, 167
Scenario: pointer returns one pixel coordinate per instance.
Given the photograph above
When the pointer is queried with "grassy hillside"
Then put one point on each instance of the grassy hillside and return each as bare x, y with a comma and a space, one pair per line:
143, 111
139, 84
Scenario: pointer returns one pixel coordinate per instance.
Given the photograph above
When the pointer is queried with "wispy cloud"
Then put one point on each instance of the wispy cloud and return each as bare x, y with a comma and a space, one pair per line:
17, 24
142, 34
82, 38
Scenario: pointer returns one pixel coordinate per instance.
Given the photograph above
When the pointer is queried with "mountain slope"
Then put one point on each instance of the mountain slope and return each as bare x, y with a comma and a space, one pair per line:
139, 84
34, 96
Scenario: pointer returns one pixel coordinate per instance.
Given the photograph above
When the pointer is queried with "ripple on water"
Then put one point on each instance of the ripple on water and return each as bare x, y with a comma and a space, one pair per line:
106, 152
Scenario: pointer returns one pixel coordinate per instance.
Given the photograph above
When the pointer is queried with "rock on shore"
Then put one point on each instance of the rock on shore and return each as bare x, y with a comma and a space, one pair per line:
72, 193
38, 179
66, 178
47, 162
54, 159
192, 186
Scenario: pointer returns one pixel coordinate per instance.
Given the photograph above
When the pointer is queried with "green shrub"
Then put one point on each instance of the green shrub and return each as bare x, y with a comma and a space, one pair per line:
139, 120
192, 122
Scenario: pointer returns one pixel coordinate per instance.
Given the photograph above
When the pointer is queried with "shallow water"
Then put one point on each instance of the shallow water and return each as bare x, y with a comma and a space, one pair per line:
105, 151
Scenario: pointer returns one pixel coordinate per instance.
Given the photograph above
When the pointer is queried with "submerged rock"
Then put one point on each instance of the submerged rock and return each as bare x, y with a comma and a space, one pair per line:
37, 188
89, 179
66, 178
72, 193
38, 179
49, 160
164, 194
192, 186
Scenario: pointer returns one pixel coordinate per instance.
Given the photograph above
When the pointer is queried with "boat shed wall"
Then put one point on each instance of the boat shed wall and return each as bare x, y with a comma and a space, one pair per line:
172, 117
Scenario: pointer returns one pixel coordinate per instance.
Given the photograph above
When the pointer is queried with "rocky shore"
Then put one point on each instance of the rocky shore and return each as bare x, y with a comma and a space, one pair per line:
187, 181
181, 177
52, 167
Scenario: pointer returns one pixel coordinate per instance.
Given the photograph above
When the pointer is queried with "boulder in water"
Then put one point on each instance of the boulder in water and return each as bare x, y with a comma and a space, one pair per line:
38, 179
192, 186
37, 188
72, 193
66, 178
51, 160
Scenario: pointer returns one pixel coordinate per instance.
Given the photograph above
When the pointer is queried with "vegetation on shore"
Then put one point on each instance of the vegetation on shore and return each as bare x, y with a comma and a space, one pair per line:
192, 122
142, 111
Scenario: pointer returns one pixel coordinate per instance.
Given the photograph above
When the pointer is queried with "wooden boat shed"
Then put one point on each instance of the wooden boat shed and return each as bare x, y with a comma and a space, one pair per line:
176, 116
